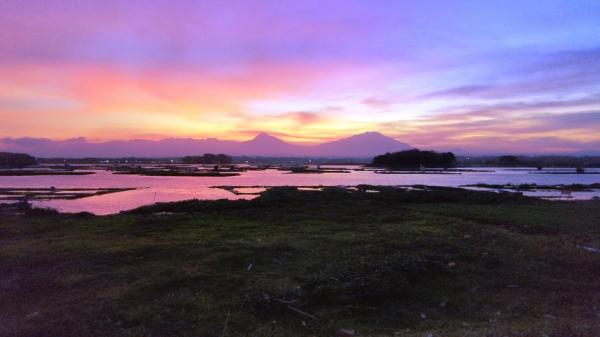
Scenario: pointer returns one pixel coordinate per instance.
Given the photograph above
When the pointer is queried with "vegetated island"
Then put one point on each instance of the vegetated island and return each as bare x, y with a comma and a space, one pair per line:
176, 173
533, 187
19, 164
303, 169
22, 172
207, 158
435, 261
35, 193
221, 168
10, 160
415, 161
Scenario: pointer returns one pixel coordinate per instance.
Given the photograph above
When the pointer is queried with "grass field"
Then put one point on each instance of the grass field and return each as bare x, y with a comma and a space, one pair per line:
299, 263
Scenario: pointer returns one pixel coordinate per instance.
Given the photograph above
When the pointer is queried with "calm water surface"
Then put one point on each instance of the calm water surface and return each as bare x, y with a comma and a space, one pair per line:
163, 189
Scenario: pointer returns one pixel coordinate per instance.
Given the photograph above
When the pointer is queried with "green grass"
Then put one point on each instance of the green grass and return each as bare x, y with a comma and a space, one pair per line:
394, 263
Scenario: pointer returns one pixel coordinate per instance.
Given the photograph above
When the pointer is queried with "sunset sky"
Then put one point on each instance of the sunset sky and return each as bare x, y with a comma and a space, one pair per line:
473, 75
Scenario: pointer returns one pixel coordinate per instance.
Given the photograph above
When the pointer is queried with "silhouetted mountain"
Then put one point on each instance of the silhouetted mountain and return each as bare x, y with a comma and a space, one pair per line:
266, 145
364, 145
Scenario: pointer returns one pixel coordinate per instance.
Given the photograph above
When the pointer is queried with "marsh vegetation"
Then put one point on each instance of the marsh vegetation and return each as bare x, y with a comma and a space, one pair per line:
439, 261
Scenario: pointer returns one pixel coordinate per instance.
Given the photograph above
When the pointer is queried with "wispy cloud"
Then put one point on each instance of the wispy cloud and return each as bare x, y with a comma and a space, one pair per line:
376, 102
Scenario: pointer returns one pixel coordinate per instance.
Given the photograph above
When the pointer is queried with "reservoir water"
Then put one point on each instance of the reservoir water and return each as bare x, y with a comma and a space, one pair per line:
151, 189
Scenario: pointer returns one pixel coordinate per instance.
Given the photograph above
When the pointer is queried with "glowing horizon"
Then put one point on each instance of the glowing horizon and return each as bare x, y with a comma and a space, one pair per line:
431, 74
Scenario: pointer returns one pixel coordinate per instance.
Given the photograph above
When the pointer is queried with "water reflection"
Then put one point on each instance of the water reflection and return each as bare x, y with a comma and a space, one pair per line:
151, 189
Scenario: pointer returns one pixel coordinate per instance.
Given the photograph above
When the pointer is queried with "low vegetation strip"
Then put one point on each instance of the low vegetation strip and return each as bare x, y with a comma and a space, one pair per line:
43, 173
439, 262
24, 194
533, 187
170, 173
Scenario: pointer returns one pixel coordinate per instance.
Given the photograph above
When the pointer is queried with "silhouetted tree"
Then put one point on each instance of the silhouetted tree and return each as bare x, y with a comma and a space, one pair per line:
509, 161
207, 158
16, 160
415, 159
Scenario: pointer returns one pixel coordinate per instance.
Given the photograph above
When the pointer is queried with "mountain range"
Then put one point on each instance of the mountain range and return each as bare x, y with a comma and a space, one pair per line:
363, 145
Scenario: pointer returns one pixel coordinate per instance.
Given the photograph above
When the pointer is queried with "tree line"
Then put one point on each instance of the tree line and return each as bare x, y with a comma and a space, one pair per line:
411, 159
207, 158
16, 160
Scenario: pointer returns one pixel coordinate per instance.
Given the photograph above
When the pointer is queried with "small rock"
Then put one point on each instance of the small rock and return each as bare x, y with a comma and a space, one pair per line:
443, 304
513, 285
345, 333
590, 249
452, 264
249, 267
548, 316
33, 315
467, 236
423, 316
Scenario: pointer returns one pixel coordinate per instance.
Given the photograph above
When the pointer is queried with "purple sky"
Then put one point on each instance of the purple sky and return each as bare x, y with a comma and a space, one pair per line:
510, 76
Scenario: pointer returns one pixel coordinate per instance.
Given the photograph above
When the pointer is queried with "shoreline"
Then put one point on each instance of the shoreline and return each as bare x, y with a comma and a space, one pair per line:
40, 196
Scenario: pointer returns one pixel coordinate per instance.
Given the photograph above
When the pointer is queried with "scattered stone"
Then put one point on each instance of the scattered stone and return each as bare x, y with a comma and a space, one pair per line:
249, 267
423, 316
345, 333
590, 249
443, 304
33, 315
451, 264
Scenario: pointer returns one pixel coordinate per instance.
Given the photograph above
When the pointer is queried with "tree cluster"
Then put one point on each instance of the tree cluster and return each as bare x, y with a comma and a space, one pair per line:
207, 158
415, 159
16, 160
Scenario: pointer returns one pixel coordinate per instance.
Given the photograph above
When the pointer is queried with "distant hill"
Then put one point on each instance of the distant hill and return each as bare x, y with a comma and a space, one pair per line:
266, 145
365, 145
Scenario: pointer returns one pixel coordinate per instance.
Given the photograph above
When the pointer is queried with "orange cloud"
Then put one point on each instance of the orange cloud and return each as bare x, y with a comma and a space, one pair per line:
103, 101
